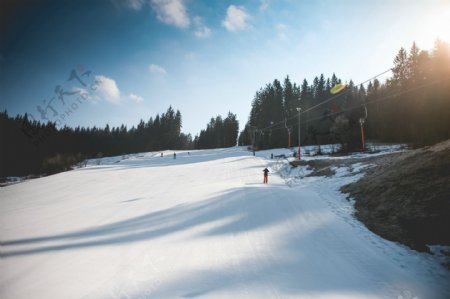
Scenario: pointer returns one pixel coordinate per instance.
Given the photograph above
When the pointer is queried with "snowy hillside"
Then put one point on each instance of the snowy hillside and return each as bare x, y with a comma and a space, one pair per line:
199, 226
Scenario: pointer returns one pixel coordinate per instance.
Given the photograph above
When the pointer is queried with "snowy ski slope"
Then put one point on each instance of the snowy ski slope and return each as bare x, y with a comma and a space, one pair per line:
200, 226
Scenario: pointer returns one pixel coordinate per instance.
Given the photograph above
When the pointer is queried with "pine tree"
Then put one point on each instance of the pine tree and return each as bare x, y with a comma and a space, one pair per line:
400, 69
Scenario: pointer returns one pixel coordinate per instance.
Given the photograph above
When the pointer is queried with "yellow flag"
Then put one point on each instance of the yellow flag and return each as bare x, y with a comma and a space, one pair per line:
338, 88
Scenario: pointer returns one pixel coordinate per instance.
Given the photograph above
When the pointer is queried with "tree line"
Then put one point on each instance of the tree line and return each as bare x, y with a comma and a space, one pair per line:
33, 147
219, 133
412, 106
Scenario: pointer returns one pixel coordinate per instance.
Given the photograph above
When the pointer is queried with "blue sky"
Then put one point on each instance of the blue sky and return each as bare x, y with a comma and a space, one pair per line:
202, 57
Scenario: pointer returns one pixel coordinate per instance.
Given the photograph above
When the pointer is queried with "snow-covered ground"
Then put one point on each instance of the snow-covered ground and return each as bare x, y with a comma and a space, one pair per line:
200, 226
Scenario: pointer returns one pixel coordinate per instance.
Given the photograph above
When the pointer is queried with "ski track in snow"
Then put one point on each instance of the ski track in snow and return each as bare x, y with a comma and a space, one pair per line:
200, 226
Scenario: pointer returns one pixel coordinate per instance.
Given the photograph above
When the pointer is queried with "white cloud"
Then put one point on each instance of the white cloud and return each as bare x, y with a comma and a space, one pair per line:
282, 28
80, 90
107, 89
131, 4
87, 94
201, 30
236, 18
171, 12
135, 98
157, 69
135, 4
83, 93
264, 5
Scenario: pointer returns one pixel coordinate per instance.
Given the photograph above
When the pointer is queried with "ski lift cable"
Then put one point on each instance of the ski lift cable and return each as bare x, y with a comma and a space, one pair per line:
346, 91
327, 100
378, 99
283, 124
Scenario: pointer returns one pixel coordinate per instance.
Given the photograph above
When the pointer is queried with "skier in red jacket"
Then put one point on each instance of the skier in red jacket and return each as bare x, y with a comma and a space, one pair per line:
266, 175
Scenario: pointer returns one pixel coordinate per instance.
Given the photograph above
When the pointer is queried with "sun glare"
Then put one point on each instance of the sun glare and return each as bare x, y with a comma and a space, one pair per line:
433, 27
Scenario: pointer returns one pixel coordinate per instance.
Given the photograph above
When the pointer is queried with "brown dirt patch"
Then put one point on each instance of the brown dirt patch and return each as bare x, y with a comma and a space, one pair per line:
406, 196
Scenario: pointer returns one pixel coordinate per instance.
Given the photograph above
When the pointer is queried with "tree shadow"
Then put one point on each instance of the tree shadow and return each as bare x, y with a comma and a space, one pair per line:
238, 205
132, 200
291, 262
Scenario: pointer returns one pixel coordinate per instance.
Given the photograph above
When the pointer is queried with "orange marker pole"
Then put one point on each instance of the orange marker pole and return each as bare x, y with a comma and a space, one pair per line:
362, 137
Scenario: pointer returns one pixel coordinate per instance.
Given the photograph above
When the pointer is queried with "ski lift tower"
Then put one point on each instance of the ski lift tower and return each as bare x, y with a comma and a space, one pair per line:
299, 110
288, 131
362, 120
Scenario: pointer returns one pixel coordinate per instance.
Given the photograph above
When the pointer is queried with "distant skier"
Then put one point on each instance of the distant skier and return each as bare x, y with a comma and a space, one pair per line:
174, 155
162, 155
266, 175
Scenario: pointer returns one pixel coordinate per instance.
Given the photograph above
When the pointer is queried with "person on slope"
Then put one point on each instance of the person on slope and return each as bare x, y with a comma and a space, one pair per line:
266, 175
